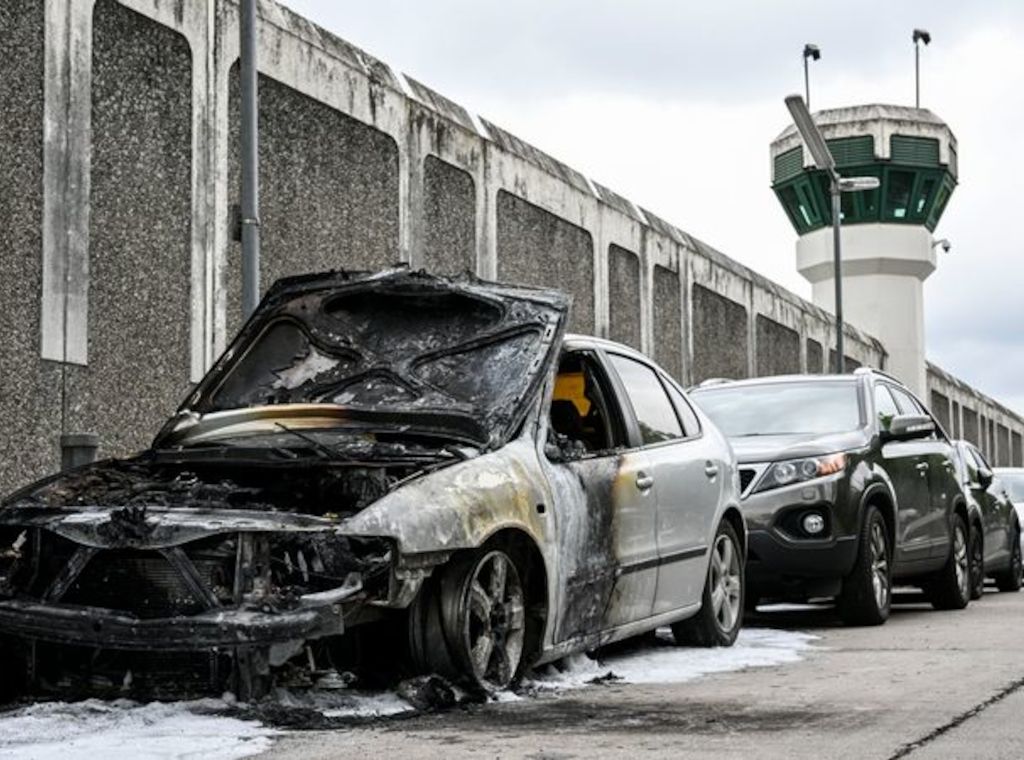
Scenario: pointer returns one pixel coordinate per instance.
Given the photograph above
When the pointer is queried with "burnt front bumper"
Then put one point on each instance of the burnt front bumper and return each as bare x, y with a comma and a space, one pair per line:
217, 628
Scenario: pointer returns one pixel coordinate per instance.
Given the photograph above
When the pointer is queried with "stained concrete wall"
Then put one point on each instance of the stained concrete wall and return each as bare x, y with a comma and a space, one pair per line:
139, 230
624, 292
120, 269
30, 404
967, 413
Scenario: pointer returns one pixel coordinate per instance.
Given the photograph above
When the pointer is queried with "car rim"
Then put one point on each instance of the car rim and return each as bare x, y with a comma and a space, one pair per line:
494, 621
879, 566
960, 561
977, 572
725, 583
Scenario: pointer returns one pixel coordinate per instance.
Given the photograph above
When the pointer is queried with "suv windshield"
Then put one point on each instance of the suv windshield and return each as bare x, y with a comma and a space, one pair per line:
1014, 483
783, 408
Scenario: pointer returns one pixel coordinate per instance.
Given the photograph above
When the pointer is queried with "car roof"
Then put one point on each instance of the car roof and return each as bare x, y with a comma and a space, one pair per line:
579, 340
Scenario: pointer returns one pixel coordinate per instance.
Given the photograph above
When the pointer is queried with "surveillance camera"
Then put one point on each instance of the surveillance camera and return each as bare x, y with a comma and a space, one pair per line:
946, 245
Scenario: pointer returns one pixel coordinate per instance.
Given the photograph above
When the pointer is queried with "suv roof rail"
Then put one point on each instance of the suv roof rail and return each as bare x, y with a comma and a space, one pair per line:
873, 371
713, 381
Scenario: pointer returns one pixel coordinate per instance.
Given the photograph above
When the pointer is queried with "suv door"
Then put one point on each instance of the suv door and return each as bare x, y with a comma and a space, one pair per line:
908, 471
608, 545
939, 475
995, 510
688, 473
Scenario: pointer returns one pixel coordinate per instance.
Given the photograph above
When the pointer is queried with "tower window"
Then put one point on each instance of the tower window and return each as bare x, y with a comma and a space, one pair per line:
897, 196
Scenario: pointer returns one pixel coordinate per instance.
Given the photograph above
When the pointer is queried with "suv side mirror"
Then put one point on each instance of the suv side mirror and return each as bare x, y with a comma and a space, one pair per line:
985, 477
906, 427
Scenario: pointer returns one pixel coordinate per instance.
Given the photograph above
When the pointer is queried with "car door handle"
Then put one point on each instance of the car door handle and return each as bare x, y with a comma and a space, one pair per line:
644, 481
711, 470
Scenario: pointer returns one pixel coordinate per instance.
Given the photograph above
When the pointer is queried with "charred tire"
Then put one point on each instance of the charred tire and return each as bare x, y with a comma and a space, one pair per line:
976, 555
469, 623
951, 587
1010, 580
866, 598
721, 613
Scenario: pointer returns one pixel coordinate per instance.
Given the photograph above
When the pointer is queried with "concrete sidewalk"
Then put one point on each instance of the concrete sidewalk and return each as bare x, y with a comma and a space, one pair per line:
926, 685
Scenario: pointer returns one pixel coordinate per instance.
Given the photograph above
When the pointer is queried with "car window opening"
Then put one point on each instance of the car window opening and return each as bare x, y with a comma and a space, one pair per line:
580, 415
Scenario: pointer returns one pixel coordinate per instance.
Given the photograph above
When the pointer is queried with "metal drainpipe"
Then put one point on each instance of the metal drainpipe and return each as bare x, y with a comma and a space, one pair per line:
249, 139
77, 449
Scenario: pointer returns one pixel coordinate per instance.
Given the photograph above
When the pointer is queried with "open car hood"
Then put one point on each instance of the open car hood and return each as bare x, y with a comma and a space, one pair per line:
404, 348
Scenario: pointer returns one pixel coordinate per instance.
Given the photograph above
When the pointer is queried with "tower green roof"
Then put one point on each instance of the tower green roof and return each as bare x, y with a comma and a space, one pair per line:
910, 150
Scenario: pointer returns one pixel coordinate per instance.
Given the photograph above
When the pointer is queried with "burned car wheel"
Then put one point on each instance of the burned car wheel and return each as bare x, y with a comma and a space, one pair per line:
470, 624
721, 614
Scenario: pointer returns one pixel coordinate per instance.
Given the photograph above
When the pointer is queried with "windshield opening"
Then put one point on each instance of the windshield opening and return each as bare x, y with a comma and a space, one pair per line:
783, 408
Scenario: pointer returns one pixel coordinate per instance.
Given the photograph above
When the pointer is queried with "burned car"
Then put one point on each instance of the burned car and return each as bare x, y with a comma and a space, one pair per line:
429, 459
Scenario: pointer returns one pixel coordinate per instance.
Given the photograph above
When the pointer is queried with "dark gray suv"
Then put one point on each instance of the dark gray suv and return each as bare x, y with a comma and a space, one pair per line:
847, 486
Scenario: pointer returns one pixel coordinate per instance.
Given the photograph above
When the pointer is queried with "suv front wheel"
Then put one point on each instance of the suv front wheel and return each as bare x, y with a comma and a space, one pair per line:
951, 587
867, 590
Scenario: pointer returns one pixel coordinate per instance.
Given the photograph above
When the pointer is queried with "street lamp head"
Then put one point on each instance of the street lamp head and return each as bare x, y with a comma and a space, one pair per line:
810, 133
812, 51
853, 184
922, 36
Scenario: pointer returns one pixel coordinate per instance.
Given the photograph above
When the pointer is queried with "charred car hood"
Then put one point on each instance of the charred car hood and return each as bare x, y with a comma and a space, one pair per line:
773, 448
402, 347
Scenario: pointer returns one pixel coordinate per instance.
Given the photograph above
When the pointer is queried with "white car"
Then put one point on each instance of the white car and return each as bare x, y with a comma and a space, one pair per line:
1012, 479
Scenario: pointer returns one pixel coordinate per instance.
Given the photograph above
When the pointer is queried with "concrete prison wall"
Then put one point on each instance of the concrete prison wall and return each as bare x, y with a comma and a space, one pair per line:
120, 277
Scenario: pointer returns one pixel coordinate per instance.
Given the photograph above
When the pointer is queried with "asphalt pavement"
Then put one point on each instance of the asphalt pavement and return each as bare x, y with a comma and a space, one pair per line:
926, 685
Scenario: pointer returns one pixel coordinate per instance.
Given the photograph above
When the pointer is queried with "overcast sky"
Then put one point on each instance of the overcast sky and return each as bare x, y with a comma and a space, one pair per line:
674, 103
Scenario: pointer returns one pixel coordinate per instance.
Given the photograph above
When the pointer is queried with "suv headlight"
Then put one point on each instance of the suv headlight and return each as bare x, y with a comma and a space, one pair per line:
798, 470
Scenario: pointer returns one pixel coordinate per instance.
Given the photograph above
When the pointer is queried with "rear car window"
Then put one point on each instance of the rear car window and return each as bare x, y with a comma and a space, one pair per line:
654, 413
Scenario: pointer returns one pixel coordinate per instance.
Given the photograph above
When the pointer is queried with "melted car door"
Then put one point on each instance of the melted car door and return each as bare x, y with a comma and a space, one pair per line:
606, 529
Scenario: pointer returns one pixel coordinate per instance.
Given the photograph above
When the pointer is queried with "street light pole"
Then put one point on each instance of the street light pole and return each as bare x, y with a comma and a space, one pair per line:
920, 35
824, 160
810, 51
837, 270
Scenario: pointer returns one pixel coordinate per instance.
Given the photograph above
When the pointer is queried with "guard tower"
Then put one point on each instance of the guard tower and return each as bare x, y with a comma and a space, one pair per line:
887, 246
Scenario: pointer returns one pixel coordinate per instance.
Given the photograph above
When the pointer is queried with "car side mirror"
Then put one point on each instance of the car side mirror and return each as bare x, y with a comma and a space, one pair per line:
554, 452
985, 477
906, 427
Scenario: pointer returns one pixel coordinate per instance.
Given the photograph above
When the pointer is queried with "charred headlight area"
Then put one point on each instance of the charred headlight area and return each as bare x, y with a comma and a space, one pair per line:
308, 564
17, 556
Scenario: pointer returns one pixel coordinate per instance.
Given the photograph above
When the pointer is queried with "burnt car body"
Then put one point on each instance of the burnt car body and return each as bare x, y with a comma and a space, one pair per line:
994, 542
381, 452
